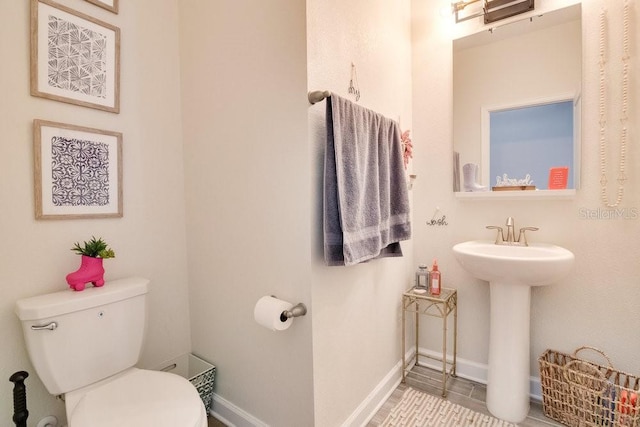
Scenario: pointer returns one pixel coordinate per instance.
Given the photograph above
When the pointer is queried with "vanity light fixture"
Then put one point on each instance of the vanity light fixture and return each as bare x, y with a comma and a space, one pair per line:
491, 10
459, 6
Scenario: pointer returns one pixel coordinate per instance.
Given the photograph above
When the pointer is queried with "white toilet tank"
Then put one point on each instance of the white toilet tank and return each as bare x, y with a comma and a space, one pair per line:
86, 336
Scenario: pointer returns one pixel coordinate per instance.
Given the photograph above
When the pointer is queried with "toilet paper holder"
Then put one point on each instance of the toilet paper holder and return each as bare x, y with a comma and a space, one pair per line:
296, 311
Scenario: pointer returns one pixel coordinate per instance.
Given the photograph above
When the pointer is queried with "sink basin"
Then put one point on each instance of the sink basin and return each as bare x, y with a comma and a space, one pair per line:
511, 272
538, 264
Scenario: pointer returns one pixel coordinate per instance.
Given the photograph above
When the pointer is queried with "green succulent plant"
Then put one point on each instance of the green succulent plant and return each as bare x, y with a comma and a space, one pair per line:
94, 248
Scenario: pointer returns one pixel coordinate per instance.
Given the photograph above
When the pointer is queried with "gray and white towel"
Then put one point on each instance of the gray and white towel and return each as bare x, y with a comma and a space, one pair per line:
366, 200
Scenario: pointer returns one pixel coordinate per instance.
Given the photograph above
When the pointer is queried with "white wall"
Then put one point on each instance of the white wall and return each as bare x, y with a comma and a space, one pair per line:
593, 304
356, 310
150, 239
254, 198
248, 199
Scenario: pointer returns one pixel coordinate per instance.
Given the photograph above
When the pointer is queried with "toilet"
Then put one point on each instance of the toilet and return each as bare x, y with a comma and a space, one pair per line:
84, 346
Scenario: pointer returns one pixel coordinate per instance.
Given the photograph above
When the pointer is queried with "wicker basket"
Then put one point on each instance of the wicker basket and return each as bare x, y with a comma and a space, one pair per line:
581, 393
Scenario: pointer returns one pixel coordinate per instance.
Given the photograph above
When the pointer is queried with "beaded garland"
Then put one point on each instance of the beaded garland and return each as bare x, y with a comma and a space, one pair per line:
623, 110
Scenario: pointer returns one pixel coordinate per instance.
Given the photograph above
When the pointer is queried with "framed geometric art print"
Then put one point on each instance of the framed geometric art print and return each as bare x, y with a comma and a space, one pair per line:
77, 171
74, 57
111, 5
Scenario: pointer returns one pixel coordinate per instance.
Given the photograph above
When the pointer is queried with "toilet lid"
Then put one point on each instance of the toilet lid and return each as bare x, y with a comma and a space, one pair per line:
138, 399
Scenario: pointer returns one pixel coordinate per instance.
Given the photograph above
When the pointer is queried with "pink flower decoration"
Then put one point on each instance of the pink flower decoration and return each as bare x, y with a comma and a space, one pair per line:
408, 147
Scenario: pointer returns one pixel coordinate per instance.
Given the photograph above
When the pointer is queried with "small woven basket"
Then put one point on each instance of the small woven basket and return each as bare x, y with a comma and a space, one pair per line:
581, 393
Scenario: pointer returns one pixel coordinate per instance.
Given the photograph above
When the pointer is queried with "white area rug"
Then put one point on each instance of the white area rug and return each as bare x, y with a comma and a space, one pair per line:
418, 409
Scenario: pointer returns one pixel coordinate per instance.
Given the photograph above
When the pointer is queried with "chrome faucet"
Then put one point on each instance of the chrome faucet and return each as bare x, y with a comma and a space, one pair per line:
510, 233
510, 240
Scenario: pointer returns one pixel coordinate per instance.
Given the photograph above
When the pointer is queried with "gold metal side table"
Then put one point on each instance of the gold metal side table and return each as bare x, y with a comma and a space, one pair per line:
435, 306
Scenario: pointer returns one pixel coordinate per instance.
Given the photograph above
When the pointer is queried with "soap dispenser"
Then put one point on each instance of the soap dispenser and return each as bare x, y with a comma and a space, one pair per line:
434, 279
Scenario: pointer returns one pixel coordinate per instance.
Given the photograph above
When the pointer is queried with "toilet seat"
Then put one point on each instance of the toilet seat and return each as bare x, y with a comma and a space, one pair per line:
137, 398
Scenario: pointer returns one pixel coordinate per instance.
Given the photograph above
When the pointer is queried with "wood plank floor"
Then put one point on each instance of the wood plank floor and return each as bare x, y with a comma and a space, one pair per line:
214, 422
460, 391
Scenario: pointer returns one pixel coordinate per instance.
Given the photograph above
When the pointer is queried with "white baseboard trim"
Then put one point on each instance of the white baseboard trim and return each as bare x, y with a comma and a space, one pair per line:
477, 372
232, 415
368, 408
374, 401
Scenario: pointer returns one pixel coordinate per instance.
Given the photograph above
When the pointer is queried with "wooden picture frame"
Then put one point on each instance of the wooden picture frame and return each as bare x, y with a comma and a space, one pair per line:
110, 5
74, 58
77, 171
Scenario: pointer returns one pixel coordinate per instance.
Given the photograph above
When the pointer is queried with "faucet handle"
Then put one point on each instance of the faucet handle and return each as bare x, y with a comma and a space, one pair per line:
500, 236
522, 238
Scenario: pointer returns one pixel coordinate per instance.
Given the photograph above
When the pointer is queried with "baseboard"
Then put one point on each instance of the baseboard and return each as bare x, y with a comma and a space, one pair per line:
232, 415
374, 401
368, 408
477, 372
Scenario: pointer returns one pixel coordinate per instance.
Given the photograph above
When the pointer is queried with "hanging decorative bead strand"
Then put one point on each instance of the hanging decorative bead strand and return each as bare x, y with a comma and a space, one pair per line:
623, 107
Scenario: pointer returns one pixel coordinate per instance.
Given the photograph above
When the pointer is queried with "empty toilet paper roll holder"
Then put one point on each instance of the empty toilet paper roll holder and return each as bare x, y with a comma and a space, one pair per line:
296, 311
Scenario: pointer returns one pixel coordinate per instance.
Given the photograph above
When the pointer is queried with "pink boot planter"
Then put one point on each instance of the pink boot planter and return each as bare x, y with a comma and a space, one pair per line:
90, 270
93, 253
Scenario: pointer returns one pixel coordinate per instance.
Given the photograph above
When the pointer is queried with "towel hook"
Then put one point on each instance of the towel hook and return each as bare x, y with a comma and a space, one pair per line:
435, 213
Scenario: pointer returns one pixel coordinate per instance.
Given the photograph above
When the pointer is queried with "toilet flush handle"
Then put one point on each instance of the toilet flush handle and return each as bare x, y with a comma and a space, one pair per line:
51, 327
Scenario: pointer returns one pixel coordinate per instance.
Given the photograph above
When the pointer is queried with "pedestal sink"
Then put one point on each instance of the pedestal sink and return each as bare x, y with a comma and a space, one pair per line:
511, 272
